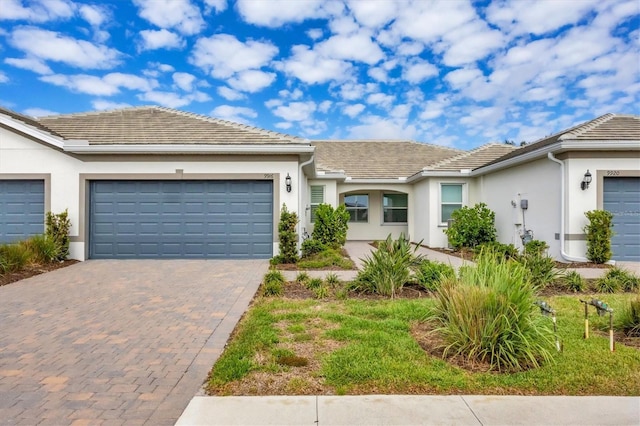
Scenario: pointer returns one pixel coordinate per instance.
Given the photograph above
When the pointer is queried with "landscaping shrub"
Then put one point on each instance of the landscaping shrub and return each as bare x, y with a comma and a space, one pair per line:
615, 280
321, 292
330, 225
431, 273
42, 249
326, 259
13, 257
628, 320
312, 246
273, 283
599, 232
57, 229
573, 281
506, 251
488, 315
302, 278
315, 283
389, 268
472, 226
541, 267
288, 236
332, 279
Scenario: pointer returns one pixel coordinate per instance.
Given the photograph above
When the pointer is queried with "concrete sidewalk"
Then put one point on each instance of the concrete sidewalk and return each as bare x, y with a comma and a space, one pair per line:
412, 410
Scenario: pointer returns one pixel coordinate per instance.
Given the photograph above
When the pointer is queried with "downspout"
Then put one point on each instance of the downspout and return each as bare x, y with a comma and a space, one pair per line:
302, 197
564, 255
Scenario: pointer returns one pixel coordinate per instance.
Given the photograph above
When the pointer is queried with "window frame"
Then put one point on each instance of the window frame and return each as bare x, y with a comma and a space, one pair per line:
384, 208
462, 202
355, 209
314, 206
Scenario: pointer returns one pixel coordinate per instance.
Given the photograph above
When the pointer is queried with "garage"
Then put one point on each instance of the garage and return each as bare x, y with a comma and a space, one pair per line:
21, 209
621, 197
181, 219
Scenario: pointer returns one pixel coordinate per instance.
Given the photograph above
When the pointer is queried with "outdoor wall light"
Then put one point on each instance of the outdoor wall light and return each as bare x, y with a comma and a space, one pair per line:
586, 180
287, 182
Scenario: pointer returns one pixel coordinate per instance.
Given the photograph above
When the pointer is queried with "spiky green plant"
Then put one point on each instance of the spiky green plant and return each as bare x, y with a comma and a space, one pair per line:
573, 281
42, 248
302, 278
13, 257
430, 273
315, 283
273, 283
617, 279
488, 315
628, 320
332, 279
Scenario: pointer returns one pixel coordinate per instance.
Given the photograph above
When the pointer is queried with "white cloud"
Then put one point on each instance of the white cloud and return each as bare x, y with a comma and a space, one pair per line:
108, 85
409, 49
419, 71
39, 112
101, 105
353, 110
160, 39
184, 80
462, 77
233, 113
373, 14
378, 73
3, 78
38, 10
230, 94
295, 111
430, 21
353, 47
48, 45
315, 33
31, 64
181, 15
94, 15
312, 68
173, 100
401, 111
251, 81
284, 125
324, 106
380, 99
539, 17
435, 108
217, 5
222, 55
276, 13
470, 43
294, 95
374, 127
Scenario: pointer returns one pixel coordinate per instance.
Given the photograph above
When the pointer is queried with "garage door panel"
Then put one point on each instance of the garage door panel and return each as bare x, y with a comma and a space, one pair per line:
194, 219
21, 209
621, 196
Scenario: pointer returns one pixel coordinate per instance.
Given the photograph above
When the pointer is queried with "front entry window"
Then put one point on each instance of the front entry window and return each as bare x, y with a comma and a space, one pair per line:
358, 207
450, 200
395, 208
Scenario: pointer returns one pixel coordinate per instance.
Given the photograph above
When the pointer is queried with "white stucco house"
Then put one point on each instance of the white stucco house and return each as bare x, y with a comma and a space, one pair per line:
153, 182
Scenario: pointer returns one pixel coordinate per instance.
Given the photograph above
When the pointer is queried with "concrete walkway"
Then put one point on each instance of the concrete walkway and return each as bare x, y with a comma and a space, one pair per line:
117, 342
412, 410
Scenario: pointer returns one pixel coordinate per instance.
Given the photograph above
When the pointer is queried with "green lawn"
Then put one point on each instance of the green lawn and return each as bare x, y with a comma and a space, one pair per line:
366, 346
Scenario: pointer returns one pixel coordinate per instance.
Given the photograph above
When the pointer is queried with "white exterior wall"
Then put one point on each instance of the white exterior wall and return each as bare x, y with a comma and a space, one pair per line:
539, 183
375, 228
22, 156
421, 213
436, 236
330, 197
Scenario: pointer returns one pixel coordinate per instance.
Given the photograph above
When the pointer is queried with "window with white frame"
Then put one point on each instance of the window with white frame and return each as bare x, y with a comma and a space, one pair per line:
450, 199
394, 208
358, 207
317, 198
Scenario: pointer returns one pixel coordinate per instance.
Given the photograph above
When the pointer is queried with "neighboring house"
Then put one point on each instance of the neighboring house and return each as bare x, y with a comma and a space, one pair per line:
156, 182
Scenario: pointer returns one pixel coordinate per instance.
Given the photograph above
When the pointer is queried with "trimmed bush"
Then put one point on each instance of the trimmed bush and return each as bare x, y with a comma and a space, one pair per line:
472, 226
312, 246
273, 283
431, 273
57, 229
488, 315
506, 251
330, 226
288, 236
599, 232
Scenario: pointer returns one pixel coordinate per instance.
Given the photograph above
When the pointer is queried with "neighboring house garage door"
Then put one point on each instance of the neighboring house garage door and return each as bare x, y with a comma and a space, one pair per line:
21, 209
181, 219
621, 196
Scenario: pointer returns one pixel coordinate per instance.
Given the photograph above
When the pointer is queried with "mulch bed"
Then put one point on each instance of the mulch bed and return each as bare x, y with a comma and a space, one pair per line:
32, 270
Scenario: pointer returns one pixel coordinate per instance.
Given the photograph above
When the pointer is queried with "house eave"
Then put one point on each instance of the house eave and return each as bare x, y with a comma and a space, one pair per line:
424, 174
187, 149
398, 180
33, 132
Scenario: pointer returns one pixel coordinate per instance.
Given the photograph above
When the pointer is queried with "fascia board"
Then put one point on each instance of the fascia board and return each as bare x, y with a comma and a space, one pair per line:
187, 149
375, 181
33, 132
432, 173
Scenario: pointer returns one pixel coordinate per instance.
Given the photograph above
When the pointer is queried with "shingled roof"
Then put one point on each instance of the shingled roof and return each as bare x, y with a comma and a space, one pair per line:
28, 120
381, 159
609, 127
472, 159
158, 125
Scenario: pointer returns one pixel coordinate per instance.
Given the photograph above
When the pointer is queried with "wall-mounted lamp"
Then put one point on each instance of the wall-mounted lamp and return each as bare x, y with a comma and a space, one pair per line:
287, 182
586, 180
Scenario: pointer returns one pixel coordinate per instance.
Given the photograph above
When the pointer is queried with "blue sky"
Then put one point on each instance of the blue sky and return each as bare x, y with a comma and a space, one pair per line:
455, 73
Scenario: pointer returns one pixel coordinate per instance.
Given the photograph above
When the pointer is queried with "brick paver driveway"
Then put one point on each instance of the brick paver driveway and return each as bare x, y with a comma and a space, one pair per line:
117, 342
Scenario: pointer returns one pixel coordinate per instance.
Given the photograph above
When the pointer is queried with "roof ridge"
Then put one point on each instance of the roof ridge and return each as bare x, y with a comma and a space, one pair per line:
239, 126
585, 127
411, 141
85, 113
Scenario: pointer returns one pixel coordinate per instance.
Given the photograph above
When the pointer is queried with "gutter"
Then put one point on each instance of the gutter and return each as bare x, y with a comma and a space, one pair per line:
564, 254
186, 149
302, 196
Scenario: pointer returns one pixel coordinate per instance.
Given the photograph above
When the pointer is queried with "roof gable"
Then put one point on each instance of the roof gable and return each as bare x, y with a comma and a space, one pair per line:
473, 159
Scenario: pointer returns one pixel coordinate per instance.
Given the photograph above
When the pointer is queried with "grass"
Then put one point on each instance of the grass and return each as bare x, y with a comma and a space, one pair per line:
366, 346
328, 258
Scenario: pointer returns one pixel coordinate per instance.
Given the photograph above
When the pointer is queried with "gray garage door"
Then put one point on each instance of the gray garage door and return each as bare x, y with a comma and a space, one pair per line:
181, 219
621, 196
21, 209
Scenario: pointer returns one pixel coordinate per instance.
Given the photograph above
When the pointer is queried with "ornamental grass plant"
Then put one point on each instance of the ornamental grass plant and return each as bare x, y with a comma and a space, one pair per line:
488, 315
